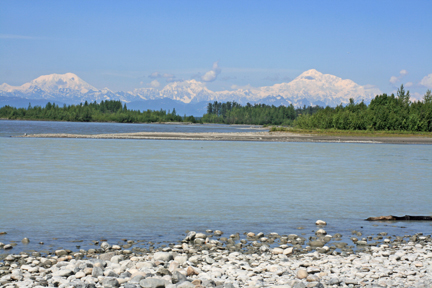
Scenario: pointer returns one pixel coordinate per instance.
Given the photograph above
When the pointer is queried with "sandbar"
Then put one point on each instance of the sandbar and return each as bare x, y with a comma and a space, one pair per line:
244, 136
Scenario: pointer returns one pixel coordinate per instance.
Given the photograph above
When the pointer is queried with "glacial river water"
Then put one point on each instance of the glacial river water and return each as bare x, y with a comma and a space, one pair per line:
155, 190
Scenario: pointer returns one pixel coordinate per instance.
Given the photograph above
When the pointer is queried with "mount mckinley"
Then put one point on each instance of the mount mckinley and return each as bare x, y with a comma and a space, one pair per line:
190, 96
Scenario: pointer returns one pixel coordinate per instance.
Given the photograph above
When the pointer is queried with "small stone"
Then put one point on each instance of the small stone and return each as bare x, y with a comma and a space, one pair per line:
320, 232
250, 234
152, 283
201, 235
277, 251
320, 222
312, 278
110, 282
349, 281
25, 240
190, 271
61, 252
105, 246
313, 269
178, 277
302, 274
288, 251
97, 272
218, 233
163, 256
7, 247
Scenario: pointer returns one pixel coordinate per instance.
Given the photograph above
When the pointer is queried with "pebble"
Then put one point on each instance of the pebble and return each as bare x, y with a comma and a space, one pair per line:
279, 261
320, 222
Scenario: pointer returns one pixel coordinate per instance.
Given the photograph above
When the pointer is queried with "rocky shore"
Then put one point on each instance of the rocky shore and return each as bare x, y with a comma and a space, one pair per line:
212, 259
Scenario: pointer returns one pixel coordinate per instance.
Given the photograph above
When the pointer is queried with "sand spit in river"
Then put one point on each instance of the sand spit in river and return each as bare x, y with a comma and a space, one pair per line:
257, 136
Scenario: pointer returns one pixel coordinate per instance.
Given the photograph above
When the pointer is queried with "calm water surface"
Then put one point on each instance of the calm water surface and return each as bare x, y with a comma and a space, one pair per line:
88, 189
15, 128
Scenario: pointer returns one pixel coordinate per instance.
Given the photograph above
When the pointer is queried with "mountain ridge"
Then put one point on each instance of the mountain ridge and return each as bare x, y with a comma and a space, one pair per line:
309, 88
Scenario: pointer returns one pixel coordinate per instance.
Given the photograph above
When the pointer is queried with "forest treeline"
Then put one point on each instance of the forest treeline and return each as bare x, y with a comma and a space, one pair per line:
385, 112
258, 114
105, 111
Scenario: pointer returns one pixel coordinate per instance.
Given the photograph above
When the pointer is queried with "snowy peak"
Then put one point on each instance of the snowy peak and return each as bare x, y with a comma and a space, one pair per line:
57, 82
52, 83
309, 88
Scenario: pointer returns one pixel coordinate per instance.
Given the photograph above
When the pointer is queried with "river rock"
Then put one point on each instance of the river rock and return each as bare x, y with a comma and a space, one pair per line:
320, 232
97, 272
163, 256
106, 256
105, 246
200, 235
288, 251
25, 240
320, 222
191, 271
110, 282
190, 236
302, 274
277, 251
178, 277
152, 283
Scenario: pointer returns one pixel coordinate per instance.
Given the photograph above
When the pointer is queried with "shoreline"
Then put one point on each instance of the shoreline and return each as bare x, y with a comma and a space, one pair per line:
244, 136
213, 259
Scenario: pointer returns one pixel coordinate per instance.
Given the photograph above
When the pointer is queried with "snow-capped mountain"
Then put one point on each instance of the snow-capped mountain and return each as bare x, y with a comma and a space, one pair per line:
309, 88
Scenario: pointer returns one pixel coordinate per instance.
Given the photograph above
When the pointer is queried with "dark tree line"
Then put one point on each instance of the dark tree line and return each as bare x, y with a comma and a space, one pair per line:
385, 112
257, 114
105, 111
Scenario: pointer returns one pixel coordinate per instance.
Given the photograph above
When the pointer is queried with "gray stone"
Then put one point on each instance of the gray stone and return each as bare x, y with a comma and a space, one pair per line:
105, 246
96, 272
186, 284
163, 256
334, 281
61, 252
109, 282
106, 256
199, 241
200, 235
78, 284
137, 279
190, 236
316, 243
163, 271
63, 273
178, 277
299, 285
351, 281
152, 283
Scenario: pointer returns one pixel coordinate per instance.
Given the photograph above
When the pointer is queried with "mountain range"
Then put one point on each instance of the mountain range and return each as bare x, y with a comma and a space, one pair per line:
190, 96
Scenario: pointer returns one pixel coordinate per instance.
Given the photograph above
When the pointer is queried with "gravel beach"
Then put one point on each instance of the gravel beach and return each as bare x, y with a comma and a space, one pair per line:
212, 259
247, 136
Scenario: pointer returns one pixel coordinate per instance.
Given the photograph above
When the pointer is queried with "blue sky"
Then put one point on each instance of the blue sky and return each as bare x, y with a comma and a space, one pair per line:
118, 44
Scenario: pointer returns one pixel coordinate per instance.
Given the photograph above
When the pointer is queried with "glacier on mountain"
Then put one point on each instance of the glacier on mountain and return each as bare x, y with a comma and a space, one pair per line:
309, 88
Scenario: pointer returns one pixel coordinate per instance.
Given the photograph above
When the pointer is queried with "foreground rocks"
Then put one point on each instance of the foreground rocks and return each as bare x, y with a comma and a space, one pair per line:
200, 261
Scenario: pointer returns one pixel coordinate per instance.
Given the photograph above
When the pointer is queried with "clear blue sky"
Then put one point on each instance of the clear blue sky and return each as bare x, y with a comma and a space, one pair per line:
118, 44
